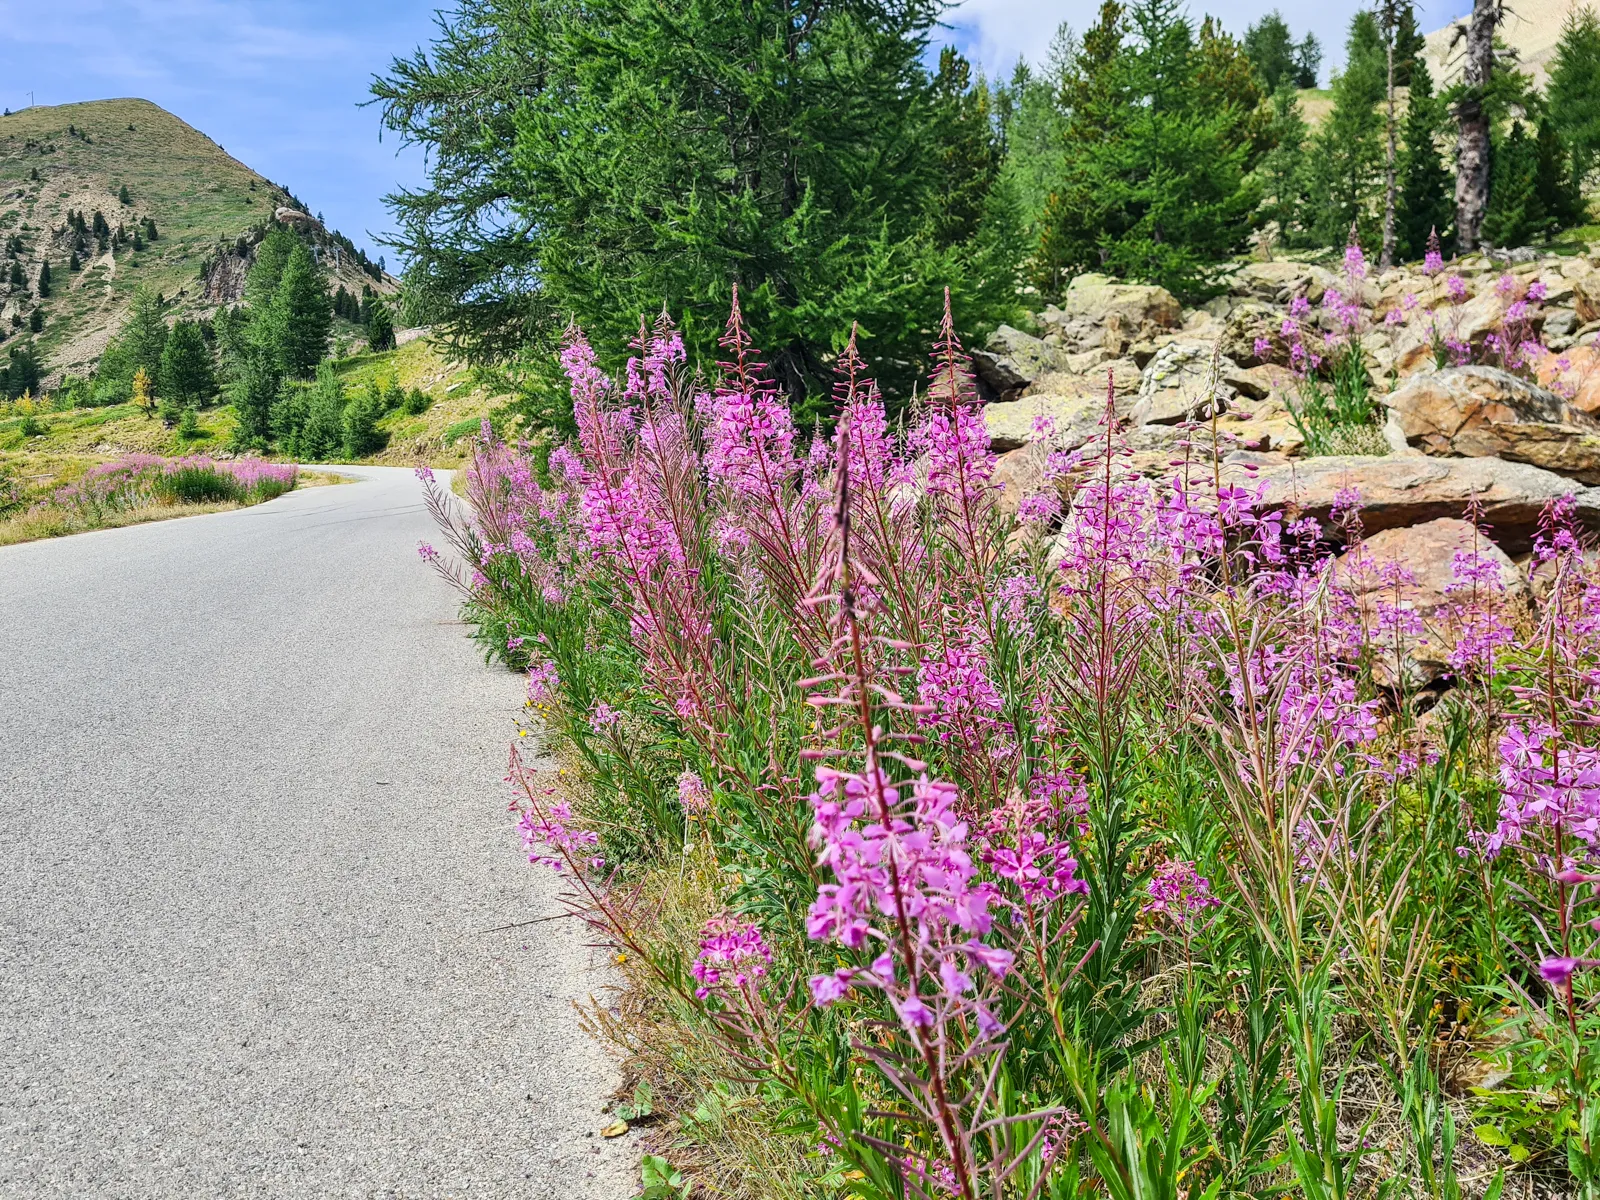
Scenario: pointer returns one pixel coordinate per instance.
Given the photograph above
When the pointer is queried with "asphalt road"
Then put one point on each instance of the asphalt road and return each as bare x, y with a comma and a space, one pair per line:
251, 830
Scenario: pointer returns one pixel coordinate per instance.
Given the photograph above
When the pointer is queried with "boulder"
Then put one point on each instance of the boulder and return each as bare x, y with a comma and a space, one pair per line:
1275, 281
1585, 282
1426, 556
1020, 473
1574, 375
1560, 328
1483, 412
1182, 382
1140, 306
1397, 492
1248, 325
1470, 322
1073, 418
1011, 360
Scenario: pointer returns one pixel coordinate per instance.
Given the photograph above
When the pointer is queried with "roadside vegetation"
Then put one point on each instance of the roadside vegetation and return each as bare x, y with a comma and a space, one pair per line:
132, 490
1116, 850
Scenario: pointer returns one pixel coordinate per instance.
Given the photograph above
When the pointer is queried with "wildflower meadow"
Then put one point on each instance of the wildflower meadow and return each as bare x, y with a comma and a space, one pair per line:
1103, 845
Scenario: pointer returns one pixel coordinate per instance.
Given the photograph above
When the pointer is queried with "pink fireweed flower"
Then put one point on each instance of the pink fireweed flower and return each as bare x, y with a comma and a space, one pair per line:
426, 552
542, 684
1433, 261
604, 717
549, 840
1457, 288
1178, 893
1039, 508
693, 795
1559, 971
957, 683
1013, 594
730, 951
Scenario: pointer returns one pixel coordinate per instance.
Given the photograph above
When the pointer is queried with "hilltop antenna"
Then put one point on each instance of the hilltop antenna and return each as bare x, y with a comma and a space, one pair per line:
30, 99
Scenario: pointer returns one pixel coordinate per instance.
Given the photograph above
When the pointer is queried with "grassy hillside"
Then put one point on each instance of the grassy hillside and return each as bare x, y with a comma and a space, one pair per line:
59, 445
79, 157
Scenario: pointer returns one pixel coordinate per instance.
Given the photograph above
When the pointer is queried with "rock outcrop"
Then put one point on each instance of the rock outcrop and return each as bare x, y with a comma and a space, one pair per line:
1484, 412
1397, 492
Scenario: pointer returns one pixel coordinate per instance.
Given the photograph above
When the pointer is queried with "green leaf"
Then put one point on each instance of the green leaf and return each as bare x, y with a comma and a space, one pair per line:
1491, 1135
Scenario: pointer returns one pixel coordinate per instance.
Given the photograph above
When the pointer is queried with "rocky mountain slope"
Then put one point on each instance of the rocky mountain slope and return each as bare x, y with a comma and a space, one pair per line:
1530, 27
61, 166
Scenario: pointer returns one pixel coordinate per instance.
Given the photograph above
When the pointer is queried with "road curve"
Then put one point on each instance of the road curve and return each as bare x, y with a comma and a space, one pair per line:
250, 838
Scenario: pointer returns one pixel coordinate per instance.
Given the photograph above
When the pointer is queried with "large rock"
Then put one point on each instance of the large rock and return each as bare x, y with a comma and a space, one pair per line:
1413, 569
1070, 418
1275, 281
1012, 360
1138, 306
1398, 492
1250, 324
1483, 412
1574, 375
1182, 382
1470, 322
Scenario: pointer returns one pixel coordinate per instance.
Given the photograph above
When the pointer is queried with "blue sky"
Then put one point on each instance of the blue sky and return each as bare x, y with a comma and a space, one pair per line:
279, 83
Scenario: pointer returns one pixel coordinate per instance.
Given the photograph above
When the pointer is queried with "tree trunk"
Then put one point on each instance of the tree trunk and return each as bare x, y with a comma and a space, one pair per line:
1386, 258
1472, 142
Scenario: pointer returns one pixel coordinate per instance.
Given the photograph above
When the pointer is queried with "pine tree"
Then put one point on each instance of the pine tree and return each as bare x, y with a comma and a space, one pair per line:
1271, 51
23, 372
144, 394
44, 279
1164, 127
965, 148
1556, 178
1284, 172
301, 316
187, 377
1426, 199
1307, 61
122, 195
1515, 214
150, 229
1033, 127
18, 279
36, 320
380, 328
272, 256
670, 151
1574, 89
145, 334
1348, 153
72, 262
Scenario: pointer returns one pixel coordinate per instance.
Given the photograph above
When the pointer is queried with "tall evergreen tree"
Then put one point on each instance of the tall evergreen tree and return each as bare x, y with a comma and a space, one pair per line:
380, 328
1474, 124
1556, 177
1574, 89
301, 316
44, 279
1033, 126
1284, 173
593, 160
1427, 202
1271, 51
186, 376
145, 334
1348, 153
1166, 123
1516, 212
272, 256
1307, 61
23, 372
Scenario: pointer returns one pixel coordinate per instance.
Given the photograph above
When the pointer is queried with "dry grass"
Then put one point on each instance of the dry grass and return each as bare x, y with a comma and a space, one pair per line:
57, 522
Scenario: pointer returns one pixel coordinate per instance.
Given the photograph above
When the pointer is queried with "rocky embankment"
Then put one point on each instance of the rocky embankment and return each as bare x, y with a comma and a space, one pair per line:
1507, 441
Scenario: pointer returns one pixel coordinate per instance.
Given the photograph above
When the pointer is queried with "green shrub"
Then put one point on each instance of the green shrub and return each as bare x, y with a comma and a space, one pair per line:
31, 427
417, 402
201, 484
189, 424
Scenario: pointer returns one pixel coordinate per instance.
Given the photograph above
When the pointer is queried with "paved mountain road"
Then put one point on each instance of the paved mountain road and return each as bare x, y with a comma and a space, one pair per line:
250, 831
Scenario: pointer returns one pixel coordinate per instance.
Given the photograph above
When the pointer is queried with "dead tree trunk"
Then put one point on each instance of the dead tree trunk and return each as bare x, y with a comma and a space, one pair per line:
1472, 140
